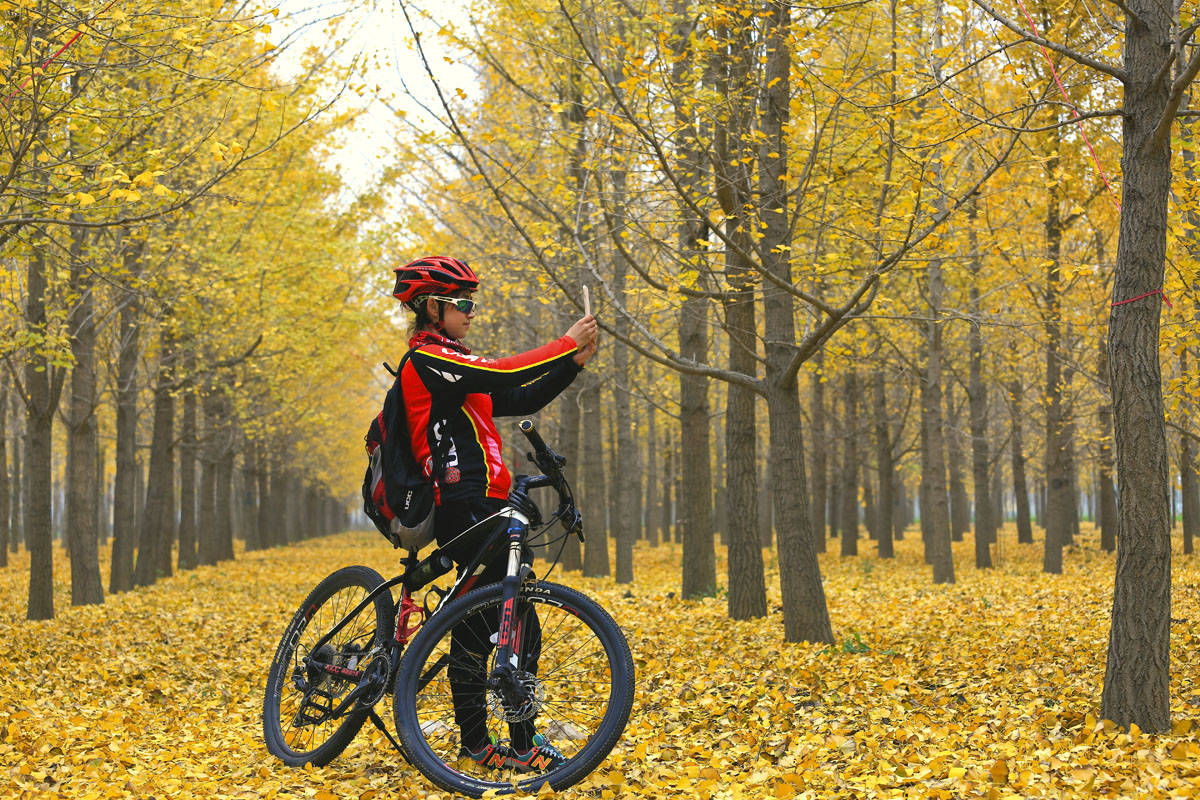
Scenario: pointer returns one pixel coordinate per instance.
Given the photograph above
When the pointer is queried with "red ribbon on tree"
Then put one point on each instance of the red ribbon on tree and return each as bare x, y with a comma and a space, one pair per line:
1166, 299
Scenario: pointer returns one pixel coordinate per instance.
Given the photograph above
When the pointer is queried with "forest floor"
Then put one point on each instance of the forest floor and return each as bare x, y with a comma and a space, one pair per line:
989, 687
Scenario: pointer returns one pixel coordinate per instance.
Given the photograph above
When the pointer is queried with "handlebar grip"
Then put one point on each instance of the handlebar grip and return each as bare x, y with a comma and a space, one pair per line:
535, 438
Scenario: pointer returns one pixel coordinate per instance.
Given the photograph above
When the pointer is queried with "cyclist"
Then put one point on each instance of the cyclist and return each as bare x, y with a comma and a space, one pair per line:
450, 398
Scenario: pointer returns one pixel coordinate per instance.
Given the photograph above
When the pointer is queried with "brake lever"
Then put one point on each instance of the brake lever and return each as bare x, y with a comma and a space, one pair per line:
575, 526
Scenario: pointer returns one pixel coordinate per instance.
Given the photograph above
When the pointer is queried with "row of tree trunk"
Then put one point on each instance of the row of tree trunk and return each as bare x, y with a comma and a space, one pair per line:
177, 510
855, 465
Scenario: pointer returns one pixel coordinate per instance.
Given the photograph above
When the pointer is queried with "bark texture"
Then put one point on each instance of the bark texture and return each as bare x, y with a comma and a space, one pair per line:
885, 462
1137, 673
125, 500
805, 615
1020, 484
849, 490
83, 445
820, 467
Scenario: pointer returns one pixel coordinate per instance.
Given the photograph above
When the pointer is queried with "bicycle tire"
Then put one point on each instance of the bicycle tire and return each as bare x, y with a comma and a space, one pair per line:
305, 706
424, 715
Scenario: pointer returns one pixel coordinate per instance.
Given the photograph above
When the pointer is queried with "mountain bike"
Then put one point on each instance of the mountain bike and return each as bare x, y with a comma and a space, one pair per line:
522, 652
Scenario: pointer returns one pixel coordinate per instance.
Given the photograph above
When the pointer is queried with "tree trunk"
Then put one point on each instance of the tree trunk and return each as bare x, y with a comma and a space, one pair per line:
209, 537
1057, 462
1073, 471
5, 491
595, 548
766, 522
745, 580
695, 504
83, 443
960, 511
1137, 673
668, 480
43, 384
572, 554
935, 511
654, 457
870, 513
884, 461
251, 501
158, 518
626, 490
820, 448
986, 521
849, 488
732, 174
279, 513
902, 517
16, 511
188, 555
720, 500
262, 476
1190, 488
224, 483
1020, 486
125, 498
805, 614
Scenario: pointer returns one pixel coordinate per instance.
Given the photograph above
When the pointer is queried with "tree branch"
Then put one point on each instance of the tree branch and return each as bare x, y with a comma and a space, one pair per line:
1080, 58
1178, 92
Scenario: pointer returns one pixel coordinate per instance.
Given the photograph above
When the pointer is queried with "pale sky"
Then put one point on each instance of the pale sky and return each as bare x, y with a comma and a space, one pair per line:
378, 31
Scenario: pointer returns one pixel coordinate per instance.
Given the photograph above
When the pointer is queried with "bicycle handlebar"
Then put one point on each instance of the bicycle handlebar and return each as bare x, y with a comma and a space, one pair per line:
551, 464
535, 438
547, 460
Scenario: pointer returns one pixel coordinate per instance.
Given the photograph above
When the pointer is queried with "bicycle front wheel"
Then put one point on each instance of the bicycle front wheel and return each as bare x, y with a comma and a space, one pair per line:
575, 675
302, 722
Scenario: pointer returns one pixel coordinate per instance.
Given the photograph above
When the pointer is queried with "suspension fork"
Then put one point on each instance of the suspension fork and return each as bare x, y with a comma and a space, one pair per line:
506, 643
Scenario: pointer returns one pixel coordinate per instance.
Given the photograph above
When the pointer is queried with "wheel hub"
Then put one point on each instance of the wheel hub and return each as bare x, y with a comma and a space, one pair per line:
517, 697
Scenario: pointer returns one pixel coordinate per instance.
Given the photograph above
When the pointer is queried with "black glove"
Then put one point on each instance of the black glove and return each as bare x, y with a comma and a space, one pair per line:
521, 501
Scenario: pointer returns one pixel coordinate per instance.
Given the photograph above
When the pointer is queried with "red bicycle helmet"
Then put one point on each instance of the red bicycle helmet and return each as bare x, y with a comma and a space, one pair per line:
432, 275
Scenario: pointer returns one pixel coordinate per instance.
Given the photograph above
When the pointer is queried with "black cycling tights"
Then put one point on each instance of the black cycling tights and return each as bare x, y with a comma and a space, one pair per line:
472, 642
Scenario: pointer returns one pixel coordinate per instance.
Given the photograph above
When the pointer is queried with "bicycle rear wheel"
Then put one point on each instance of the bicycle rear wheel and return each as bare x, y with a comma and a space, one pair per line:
301, 723
574, 663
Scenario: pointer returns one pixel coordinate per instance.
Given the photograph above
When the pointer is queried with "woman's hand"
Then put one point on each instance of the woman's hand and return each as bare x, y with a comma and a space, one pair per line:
584, 333
584, 353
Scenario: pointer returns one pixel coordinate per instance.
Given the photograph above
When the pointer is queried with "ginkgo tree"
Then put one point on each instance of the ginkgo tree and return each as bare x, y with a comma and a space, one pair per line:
767, 188
143, 143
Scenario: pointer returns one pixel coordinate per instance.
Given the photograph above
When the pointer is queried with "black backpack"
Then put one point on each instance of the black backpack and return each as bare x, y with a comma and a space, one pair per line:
396, 494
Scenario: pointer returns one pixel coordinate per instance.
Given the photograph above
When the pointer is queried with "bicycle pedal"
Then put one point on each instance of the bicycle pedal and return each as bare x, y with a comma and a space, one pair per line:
311, 703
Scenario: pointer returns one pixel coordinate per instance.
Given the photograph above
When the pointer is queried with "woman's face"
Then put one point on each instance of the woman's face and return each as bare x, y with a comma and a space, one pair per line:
454, 321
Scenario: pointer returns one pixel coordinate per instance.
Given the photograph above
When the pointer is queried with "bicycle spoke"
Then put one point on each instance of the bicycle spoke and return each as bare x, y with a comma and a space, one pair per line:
564, 670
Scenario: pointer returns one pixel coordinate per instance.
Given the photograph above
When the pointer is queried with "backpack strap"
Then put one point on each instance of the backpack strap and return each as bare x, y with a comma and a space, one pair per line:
396, 372
438, 449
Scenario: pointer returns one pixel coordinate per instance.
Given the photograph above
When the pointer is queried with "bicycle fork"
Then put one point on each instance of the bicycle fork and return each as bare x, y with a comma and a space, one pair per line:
505, 677
506, 643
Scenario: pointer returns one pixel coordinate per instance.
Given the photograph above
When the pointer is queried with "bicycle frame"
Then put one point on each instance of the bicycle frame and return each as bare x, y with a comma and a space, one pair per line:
405, 628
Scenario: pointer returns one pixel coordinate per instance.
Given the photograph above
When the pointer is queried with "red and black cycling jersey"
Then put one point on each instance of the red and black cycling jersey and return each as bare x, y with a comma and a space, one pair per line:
451, 396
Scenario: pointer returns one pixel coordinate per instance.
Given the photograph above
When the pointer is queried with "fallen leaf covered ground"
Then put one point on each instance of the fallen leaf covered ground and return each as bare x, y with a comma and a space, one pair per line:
986, 688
